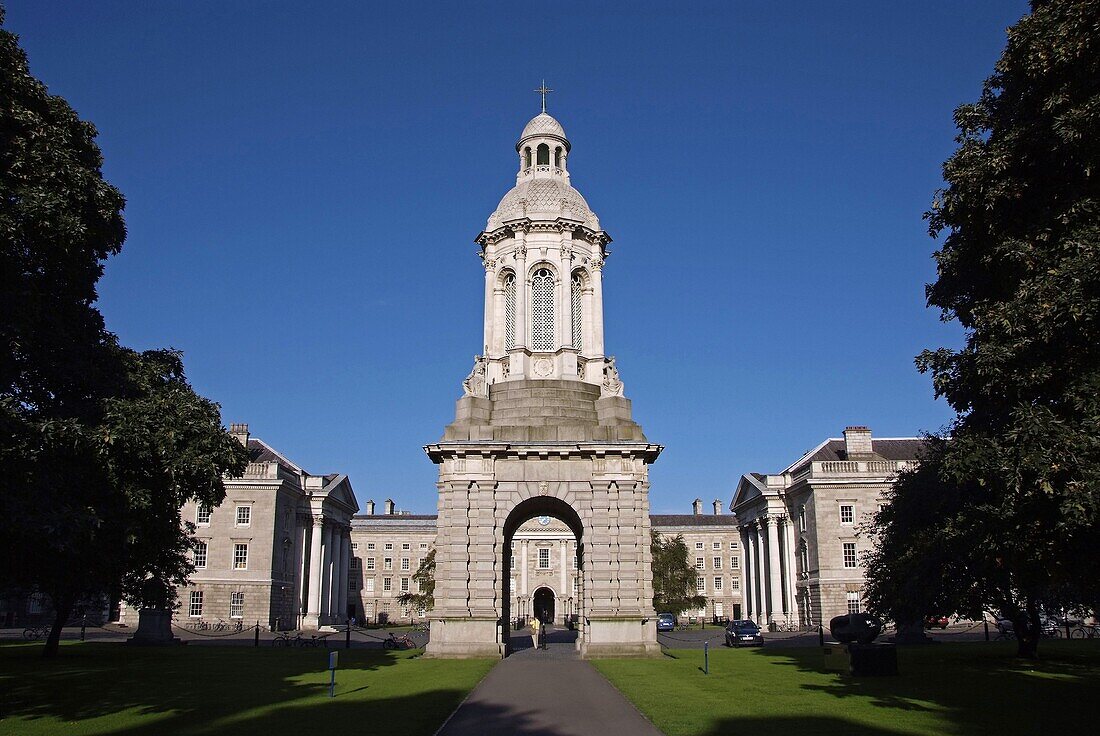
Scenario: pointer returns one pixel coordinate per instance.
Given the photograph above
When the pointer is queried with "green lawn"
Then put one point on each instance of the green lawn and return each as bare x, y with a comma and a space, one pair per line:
974, 688
115, 689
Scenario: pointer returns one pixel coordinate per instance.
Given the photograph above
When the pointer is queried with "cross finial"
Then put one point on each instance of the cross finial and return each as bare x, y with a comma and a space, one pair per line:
544, 90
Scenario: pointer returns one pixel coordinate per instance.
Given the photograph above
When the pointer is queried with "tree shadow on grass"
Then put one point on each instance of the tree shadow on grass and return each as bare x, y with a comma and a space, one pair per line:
981, 687
147, 691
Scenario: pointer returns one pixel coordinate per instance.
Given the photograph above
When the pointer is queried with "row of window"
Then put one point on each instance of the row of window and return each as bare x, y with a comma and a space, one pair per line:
195, 604
716, 563
240, 555
387, 546
716, 545
405, 584
542, 156
243, 516
542, 561
718, 584
387, 563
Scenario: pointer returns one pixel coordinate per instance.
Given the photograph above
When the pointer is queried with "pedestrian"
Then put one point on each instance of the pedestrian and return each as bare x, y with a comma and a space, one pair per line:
545, 630
535, 631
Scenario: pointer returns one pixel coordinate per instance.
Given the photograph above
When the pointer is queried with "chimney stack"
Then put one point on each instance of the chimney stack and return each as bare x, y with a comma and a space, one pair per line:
240, 433
389, 507
857, 443
717, 507
370, 507
697, 506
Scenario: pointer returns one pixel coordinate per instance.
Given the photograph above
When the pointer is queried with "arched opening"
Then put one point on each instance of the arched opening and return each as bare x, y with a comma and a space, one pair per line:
542, 309
542, 605
543, 155
557, 157
509, 311
576, 299
527, 157
543, 553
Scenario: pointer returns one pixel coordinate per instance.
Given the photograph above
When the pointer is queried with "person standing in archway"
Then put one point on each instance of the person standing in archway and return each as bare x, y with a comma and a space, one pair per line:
545, 629
535, 626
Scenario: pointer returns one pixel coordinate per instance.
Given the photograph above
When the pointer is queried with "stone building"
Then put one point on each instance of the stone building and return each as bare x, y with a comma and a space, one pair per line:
714, 548
544, 428
545, 570
801, 528
276, 550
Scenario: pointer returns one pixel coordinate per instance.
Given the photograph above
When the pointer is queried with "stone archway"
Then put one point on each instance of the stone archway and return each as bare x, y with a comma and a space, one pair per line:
590, 473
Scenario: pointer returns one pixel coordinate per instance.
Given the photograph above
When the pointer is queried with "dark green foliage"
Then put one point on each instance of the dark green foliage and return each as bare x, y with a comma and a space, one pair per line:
674, 588
1020, 271
100, 445
425, 583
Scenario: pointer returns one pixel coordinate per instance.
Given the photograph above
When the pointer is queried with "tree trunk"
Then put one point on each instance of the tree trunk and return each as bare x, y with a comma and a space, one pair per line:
1028, 631
62, 608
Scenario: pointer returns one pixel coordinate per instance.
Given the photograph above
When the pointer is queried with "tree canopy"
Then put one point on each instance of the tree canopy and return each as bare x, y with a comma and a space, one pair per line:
674, 589
424, 577
1019, 269
100, 445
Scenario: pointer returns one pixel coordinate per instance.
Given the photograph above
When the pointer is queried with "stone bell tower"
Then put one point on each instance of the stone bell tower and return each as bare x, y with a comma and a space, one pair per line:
543, 427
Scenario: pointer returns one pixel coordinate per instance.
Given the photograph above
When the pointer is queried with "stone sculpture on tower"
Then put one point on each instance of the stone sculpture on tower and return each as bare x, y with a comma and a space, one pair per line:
543, 427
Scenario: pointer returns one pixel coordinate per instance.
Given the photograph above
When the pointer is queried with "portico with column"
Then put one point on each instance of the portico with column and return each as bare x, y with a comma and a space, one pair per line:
325, 567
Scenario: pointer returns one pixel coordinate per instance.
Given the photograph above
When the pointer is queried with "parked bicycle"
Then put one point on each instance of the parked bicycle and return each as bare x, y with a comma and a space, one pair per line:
398, 642
34, 633
1085, 631
787, 626
284, 639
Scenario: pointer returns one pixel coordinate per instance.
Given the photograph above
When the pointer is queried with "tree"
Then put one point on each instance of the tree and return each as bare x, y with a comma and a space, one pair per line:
1019, 270
425, 583
100, 445
674, 588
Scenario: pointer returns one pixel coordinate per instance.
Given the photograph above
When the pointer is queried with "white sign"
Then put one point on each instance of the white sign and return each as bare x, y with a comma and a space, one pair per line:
332, 657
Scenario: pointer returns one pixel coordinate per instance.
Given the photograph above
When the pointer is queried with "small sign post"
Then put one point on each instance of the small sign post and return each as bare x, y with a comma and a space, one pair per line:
706, 658
333, 656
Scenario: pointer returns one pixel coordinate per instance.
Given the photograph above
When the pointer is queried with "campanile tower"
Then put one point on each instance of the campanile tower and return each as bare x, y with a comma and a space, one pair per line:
543, 427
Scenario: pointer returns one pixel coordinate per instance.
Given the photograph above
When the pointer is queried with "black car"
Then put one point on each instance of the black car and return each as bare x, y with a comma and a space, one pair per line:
743, 633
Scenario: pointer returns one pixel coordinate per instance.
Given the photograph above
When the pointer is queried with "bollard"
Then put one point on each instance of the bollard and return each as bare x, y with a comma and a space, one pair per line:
84, 625
256, 641
347, 636
706, 658
1067, 628
820, 635
986, 625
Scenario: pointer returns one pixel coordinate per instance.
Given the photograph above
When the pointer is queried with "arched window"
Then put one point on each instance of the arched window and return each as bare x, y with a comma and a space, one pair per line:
543, 155
527, 157
576, 294
557, 157
509, 311
542, 310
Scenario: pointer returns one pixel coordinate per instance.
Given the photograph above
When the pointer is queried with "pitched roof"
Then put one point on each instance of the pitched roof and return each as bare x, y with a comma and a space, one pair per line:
692, 520
261, 452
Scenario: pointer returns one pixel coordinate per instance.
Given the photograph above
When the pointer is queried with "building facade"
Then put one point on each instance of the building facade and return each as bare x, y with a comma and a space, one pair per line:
543, 428
545, 569
802, 529
277, 550
714, 549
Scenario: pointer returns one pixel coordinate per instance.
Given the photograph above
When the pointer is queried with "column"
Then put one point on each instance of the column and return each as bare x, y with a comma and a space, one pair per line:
345, 564
326, 572
596, 351
788, 557
564, 317
300, 572
564, 594
521, 290
762, 607
313, 610
746, 595
523, 566
774, 579
490, 306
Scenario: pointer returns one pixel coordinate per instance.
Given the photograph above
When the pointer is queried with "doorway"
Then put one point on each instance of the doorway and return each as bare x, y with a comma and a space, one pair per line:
543, 604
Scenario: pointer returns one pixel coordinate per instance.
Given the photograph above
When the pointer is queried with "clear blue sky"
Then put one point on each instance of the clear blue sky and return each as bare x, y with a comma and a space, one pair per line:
304, 182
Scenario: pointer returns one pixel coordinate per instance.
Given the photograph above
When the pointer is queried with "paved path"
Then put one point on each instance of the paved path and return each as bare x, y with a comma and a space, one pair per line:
546, 693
